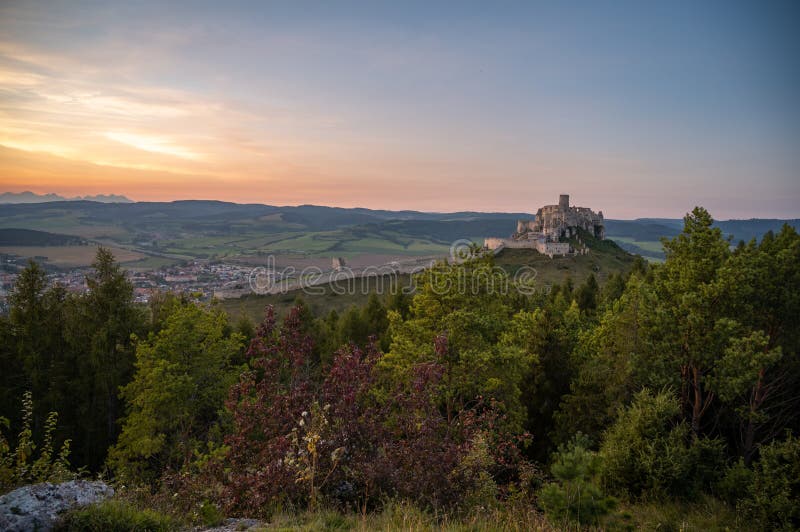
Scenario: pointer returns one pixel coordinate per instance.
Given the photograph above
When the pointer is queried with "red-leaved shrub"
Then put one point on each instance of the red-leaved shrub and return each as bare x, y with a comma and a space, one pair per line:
296, 439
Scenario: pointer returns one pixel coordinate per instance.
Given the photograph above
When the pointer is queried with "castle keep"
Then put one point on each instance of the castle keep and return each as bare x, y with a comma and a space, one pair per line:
552, 224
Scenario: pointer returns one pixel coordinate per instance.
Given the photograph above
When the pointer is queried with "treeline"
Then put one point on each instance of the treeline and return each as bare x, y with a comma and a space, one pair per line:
30, 237
670, 382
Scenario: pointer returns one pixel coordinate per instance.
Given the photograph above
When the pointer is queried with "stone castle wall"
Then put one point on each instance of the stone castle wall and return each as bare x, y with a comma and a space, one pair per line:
552, 224
543, 247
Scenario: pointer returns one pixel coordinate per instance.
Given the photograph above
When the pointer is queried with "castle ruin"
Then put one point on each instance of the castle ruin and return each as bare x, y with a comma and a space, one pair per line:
552, 224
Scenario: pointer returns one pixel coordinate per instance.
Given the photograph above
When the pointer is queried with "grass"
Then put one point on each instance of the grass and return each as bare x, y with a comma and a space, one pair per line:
404, 516
116, 516
320, 303
402, 247
149, 263
601, 262
558, 269
707, 513
647, 245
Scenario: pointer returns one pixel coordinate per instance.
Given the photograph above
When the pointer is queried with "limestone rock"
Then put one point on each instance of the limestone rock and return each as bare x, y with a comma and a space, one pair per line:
38, 506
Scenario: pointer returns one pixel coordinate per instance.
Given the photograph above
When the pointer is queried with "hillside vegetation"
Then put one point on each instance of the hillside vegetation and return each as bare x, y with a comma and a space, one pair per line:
28, 237
663, 398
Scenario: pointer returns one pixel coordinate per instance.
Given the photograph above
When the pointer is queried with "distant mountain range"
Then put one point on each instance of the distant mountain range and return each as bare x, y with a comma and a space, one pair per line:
32, 197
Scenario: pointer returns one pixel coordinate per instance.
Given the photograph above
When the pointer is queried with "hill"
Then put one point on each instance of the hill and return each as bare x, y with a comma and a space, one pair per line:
184, 230
604, 258
643, 236
28, 237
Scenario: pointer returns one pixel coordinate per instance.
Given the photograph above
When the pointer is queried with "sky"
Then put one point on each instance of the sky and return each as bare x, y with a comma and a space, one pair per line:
636, 108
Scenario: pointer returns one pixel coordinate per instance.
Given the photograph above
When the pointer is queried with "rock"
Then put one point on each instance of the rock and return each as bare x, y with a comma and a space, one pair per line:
236, 525
38, 506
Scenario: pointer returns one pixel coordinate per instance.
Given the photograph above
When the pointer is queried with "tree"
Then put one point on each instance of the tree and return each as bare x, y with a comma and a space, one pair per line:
39, 360
576, 495
760, 370
182, 376
693, 332
650, 450
587, 295
547, 337
467, 303
375, 316
100, 326
612, 361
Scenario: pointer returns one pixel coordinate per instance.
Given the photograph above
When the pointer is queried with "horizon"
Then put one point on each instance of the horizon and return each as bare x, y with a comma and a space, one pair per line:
638, 111
532, 213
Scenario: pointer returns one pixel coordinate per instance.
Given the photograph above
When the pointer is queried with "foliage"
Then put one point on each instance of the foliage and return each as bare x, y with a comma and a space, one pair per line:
304, 452
424, 403
608, 364
773, 498
21, 465
100, 335
295, 444
182, 375
649, 450
467, 303
576, 495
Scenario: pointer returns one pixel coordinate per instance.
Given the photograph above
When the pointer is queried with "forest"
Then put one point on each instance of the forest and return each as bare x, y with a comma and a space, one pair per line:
665, 398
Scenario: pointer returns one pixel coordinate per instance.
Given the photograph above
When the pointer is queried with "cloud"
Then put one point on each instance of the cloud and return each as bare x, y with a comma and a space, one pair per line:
152, 144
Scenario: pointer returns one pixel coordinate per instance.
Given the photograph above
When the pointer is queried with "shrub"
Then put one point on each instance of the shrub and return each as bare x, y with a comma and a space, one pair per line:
773, 499
735, 483
298, 443
115, 516
650, 451
576, 496
18, 466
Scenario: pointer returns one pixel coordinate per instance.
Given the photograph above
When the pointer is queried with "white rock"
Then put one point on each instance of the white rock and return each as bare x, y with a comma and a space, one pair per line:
38, 506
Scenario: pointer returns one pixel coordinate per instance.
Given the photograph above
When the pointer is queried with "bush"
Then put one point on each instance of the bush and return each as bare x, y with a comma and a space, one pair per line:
650, 451
298, 444
735, 483
115, 516
576, 496
773, 500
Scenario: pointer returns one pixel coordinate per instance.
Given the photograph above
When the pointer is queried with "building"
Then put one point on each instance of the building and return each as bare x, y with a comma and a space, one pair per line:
552, 224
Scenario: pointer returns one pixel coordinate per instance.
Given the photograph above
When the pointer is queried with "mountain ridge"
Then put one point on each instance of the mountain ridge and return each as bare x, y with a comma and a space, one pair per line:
27, 196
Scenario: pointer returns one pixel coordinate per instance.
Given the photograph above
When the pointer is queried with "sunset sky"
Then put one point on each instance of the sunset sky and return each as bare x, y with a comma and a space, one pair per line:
641, 109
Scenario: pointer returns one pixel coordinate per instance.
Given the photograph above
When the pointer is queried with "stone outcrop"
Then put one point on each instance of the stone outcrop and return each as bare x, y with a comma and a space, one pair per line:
38, 506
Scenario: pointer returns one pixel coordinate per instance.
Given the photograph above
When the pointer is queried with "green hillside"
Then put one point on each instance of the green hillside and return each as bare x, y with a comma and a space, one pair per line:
604, 258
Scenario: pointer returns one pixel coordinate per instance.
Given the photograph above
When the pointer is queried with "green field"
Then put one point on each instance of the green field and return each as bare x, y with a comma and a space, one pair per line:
647, 245
68, 256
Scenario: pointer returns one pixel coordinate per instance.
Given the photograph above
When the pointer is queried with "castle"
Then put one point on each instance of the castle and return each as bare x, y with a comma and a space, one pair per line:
552, 224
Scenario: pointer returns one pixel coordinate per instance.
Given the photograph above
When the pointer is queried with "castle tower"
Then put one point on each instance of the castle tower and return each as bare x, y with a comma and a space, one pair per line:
563, 202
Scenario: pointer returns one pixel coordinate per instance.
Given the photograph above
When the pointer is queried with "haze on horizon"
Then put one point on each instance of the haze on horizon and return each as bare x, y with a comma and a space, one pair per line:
638, 109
